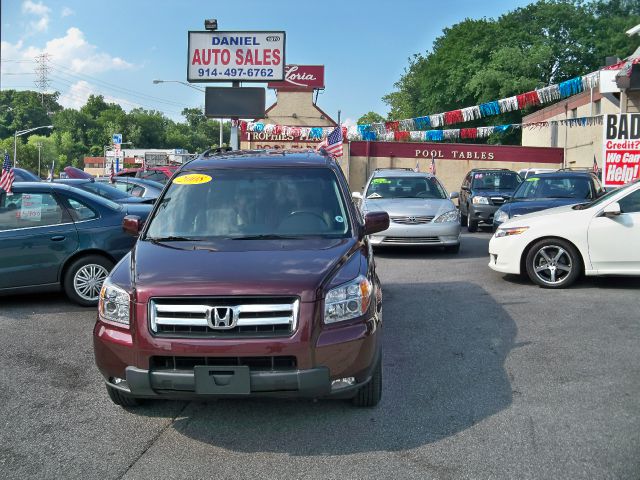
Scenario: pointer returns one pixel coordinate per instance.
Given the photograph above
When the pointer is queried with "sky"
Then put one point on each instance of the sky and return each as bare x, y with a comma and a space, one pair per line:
117, 48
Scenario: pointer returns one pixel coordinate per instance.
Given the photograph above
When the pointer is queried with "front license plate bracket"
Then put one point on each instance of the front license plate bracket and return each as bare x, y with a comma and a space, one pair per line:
222, 380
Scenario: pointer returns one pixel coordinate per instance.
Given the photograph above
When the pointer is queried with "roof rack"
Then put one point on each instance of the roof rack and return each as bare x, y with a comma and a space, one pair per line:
395, 168
575, 169
492, 169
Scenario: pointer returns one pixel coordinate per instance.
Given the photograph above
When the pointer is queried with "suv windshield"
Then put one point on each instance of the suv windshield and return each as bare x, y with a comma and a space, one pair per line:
259, 203
495, 180
405, 187
554, 187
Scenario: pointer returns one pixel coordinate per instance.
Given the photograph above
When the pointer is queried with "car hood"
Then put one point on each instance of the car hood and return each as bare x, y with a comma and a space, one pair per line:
523, 207
542, 216
409, 206
236, 267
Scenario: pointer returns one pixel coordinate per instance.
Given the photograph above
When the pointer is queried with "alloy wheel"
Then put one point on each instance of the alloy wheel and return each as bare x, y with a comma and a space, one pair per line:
88, 280
552, 264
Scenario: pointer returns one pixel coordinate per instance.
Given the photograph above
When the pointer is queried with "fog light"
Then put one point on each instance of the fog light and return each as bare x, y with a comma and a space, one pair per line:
343, 382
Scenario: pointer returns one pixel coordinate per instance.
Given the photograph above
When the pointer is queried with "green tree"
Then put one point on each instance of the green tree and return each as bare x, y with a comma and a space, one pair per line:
370, 117
545, 42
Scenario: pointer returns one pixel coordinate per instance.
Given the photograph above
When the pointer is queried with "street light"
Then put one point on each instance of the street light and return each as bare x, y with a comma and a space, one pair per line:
195, 88
15, 140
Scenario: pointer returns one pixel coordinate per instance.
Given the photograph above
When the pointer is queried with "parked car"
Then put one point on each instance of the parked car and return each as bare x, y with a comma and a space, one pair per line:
22, 175
135, 187
527, 172
419, 208
53, 236
554, 247
157, 174
548, 190
252, 276
107, 191
482, 192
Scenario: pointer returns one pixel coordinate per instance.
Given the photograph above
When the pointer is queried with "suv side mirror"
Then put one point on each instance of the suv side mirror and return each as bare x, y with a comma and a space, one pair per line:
612, 210
454, 195
356, 195
132, 225
464, 187
375, 222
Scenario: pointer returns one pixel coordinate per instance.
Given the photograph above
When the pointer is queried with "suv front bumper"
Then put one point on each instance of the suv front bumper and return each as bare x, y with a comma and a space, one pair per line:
482, 213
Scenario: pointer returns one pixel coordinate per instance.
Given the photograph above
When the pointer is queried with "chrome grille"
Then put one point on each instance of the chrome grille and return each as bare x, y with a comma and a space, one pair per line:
412, 219
411, 240
253, 316
498, 200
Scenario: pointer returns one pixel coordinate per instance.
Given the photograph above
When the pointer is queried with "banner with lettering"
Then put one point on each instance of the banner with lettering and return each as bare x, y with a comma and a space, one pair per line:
621, 149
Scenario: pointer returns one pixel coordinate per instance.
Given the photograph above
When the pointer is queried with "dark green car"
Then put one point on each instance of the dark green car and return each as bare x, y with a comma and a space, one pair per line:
53, 237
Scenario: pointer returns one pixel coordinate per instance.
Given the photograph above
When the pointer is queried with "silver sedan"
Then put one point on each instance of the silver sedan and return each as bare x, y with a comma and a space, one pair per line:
419, 208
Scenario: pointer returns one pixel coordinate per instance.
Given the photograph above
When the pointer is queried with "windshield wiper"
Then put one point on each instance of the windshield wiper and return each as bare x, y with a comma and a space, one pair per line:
172, 238
264, 237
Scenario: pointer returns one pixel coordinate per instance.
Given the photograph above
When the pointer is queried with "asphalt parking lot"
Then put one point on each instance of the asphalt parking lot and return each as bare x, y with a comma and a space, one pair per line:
485, 376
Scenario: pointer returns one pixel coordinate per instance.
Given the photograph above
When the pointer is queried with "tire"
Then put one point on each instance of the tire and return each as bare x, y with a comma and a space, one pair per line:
452, 248
371, 393
83, 279
553, 263
472, 226
121, 399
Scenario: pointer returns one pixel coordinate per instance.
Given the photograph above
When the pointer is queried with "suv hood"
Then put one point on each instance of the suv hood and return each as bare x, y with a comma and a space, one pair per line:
236, 267
409, 206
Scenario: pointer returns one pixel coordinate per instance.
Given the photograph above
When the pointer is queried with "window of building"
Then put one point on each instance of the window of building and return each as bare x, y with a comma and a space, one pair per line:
597, 107
574, 113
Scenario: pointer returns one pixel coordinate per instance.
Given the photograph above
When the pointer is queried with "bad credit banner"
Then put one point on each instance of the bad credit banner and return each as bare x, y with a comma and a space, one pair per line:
621, 149
236, 56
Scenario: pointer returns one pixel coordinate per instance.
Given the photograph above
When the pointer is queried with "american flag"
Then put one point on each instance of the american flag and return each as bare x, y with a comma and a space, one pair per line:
417, 169
50, 175
432, 167
333, 143
112, 175
6, 175
595, 165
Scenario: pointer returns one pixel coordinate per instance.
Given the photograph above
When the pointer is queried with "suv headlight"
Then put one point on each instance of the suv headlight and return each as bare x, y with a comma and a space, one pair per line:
451, 216
501, 216
480, 201
114, 304
347, 301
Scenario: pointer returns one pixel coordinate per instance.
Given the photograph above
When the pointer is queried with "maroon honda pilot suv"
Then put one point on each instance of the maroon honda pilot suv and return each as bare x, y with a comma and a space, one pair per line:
253, 276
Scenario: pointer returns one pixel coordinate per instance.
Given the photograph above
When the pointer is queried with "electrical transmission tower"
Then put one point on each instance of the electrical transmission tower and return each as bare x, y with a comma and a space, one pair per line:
42, 72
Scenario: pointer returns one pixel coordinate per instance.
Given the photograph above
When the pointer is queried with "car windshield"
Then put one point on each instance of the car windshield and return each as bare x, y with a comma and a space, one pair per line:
554, 187
405, 187
251, 204
496, 180
106, 191
605, 197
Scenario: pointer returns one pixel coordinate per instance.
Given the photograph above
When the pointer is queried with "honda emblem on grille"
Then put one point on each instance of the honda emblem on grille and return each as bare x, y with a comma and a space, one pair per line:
222, 318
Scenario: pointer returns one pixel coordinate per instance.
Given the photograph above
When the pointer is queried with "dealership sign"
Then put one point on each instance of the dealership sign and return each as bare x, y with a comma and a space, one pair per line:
301, 76
235, 56
621, 149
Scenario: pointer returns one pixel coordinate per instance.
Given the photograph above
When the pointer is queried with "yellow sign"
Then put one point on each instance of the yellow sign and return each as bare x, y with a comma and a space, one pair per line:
192, 179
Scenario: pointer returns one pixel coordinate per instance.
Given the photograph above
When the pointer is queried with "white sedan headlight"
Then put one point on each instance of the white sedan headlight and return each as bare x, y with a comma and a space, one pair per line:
507, 232
450, 216
480, 201
501, 216
114, 304
347, 301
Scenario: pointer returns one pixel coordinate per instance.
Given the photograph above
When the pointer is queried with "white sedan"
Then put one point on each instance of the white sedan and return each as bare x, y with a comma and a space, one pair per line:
554, 247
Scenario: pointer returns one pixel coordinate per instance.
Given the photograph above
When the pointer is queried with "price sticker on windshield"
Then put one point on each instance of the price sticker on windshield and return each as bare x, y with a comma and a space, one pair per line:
192, 179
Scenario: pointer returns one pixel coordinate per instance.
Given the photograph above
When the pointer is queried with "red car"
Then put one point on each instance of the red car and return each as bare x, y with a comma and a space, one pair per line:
157, 174
253, 276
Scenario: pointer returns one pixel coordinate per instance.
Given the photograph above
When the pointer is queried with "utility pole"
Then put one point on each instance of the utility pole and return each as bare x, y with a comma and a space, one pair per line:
42, 71
39, 145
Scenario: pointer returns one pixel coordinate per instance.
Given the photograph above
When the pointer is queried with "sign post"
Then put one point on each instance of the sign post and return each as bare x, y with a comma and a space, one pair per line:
621, 149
